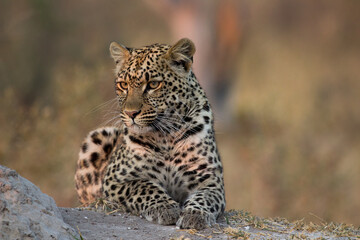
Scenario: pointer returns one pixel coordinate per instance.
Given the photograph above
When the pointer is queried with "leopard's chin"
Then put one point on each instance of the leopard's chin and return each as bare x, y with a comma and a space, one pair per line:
135, 128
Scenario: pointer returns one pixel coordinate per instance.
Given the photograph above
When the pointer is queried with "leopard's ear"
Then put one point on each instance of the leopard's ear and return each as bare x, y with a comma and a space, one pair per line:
119, 53
180, 55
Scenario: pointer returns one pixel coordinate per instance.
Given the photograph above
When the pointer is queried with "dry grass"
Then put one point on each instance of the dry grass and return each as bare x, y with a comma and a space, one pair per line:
239, 220
104, 206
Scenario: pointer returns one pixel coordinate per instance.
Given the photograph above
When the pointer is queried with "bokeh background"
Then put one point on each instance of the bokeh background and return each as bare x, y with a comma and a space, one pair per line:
283, 77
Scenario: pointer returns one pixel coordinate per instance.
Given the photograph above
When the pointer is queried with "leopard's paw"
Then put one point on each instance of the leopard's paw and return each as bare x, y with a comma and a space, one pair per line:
164, 214
196, 219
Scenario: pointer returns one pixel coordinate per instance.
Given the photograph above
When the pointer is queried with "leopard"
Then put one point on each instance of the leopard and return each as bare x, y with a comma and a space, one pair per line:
160, 160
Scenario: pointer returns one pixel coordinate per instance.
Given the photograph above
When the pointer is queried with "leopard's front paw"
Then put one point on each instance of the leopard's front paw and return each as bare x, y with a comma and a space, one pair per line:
197, 219
164, 214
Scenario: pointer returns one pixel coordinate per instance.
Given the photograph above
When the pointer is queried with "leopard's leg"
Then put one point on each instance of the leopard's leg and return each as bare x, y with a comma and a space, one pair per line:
203, 206
142, 197
93, 160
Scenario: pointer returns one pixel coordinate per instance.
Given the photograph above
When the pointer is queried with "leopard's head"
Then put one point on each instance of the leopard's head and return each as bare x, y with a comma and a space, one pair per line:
152, 83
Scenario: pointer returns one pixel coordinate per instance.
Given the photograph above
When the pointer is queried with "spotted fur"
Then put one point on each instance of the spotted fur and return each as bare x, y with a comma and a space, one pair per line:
161, 161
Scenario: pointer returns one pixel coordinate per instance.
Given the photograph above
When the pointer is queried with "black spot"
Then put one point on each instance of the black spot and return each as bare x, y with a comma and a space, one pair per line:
121, 189
95, 139
155, 169
152, 176
126, 131
137, 157
160, 164
113, 187
207, 119
182, 167
147, 76
89, 178
212, 185
193, 159
123, 172
202, 166
190, 149
85, 163
134, 174
84, 147
206, 107
93, 159
107, 148
187, 119
105, 133
177, 161
192, 186
189, 172
203, 178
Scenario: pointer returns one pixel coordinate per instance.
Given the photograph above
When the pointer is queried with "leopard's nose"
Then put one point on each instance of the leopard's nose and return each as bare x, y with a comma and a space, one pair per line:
132, 114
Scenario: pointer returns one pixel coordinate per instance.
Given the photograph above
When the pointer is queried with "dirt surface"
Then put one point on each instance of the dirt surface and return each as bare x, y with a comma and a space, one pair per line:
97, 225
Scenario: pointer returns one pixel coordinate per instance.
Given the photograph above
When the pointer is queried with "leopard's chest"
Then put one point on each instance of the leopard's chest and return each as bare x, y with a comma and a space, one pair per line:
172, 167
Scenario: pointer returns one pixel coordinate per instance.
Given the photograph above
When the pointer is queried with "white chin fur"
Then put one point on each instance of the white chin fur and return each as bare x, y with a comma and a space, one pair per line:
139, 129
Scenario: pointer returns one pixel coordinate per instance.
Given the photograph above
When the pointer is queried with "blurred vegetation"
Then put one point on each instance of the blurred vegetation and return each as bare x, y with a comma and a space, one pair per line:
290, 139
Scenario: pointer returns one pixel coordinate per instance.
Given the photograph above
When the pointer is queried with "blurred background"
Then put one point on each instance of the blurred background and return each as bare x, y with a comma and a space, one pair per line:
283, 77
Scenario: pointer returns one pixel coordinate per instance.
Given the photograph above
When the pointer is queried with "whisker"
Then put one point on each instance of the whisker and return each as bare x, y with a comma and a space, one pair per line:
102, 105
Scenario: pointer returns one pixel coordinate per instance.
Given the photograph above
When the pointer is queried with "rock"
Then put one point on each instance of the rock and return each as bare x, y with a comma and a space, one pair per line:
27, 213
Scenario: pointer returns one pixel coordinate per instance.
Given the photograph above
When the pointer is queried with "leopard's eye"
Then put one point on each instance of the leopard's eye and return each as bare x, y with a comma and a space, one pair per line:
154, 84
122, 85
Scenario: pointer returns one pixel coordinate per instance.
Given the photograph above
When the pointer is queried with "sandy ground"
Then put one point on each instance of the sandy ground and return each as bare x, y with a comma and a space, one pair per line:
95, 225
100, 226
